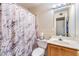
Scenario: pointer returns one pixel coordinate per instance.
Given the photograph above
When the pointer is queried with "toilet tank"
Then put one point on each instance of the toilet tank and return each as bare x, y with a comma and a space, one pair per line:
42, 44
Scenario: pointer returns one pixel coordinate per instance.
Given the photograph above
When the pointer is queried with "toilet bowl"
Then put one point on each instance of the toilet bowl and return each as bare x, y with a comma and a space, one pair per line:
40, 50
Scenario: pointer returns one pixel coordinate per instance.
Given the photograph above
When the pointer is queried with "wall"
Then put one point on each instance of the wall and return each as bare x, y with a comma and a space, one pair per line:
44, 18
77, 20
72, 21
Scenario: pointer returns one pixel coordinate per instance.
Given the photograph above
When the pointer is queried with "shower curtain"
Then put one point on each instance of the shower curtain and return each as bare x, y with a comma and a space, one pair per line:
18, 30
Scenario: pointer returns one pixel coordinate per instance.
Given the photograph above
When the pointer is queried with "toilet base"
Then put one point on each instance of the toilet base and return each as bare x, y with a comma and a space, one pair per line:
38, 52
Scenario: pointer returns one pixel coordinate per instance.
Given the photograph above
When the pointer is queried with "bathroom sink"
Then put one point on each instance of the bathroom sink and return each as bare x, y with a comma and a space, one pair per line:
64, 42
60, 42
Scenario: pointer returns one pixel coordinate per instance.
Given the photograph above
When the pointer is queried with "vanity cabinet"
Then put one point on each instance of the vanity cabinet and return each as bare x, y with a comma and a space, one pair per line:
56, 50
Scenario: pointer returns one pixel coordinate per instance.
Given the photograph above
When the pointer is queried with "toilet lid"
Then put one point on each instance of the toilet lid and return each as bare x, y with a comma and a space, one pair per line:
38, 52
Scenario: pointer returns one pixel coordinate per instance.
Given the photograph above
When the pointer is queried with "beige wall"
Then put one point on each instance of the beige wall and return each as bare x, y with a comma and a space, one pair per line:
45, 23
44, 18
77, 20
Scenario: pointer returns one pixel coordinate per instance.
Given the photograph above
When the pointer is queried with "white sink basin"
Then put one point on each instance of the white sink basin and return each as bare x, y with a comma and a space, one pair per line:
65, 42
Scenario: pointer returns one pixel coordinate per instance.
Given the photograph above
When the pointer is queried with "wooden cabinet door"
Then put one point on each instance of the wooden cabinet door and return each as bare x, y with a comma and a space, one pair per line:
54, 50
68, 52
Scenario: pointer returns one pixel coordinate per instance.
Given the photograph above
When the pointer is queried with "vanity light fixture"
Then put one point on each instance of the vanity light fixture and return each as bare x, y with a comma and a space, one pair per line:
58, 5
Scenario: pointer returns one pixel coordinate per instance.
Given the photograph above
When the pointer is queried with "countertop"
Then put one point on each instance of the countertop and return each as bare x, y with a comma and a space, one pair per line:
66, 42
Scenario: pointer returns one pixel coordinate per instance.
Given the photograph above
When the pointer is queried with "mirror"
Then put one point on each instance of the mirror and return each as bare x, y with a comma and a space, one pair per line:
60, 26
64, 19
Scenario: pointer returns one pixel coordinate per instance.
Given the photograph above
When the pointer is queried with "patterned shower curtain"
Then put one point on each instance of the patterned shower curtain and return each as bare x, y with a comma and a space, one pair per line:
18, 30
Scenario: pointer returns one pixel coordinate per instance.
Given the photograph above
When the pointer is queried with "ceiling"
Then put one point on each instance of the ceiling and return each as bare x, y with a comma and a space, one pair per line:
30, 5
33, 7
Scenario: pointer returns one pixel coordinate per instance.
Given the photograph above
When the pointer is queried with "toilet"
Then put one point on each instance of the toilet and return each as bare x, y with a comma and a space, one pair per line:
40, 50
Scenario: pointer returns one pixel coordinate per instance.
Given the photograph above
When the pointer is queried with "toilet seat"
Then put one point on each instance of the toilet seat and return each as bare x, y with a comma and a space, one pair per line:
38, 52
